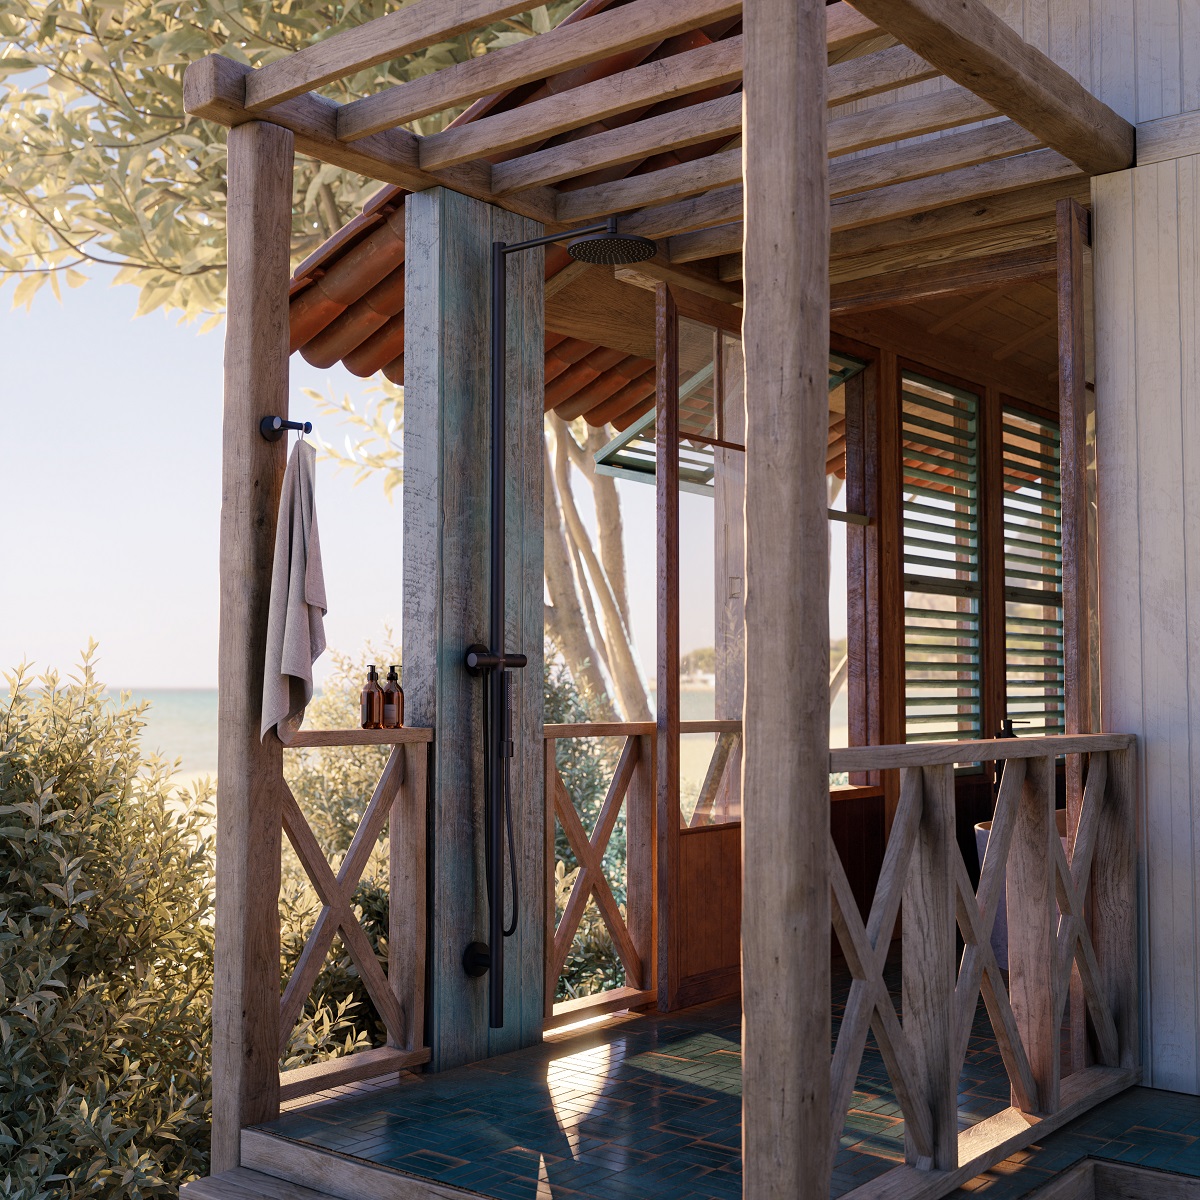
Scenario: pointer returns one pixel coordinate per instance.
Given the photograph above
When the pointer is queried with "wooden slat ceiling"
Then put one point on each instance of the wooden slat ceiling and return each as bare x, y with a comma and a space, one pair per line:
632, 108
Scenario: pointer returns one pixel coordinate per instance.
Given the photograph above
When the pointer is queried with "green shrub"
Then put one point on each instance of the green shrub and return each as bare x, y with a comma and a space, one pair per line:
105, 953
586, 766
106, 879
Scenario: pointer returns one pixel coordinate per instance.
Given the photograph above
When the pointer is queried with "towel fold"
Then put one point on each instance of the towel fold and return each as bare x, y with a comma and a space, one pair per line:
296, 624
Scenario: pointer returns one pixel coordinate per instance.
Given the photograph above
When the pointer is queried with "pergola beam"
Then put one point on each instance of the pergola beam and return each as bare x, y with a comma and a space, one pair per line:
213, 88
391, 36
651, 83
722, 117
675, 130
563, 49
999, 193
973, 46
849, 176
916, 284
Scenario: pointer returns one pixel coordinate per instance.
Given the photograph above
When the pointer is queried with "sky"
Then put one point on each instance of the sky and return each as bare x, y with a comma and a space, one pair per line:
110, 467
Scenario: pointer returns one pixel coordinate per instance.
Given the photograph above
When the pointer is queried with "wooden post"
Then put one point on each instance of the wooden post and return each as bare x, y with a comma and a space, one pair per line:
1032, 944
446, 506
640, 897
1073, 237
407, 848
930, 967
249, 771
785, 781
666, 434
1114, 901
729, 537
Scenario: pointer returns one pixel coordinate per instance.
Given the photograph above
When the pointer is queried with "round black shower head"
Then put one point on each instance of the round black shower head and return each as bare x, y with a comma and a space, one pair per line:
609, 248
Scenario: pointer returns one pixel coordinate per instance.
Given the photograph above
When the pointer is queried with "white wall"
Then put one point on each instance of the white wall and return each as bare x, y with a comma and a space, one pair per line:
1147, 284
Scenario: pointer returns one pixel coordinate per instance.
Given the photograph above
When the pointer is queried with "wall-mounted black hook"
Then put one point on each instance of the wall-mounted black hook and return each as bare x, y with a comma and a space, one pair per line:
273, 428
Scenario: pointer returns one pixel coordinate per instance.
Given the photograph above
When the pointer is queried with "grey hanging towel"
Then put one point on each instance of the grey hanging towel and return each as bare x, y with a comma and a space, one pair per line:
296, 624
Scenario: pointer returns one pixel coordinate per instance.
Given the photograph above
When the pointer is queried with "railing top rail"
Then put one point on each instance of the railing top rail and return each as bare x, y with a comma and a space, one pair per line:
933, 754
600, 729
635, 728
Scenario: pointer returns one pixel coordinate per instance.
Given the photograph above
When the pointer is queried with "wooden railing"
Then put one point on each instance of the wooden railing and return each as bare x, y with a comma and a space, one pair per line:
398, 802
1070, 914
632, 933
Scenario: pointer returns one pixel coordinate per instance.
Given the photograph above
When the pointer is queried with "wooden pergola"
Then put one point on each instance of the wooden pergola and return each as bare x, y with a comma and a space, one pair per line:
766, 153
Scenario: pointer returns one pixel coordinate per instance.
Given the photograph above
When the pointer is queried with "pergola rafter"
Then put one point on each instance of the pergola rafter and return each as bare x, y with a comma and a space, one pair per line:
636, 110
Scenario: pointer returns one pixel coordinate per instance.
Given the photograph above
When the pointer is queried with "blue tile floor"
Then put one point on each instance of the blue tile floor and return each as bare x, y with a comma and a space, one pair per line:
651, 1106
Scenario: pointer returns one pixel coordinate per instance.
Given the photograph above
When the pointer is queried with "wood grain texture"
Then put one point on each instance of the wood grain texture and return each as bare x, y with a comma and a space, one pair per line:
641, 857
785, 785
721, 117
242, 1184
929, 968
408, 877
356, 737
996, 1138
1033, 984
214, 88
974, 47
602, 35
1073, 240
250, 770
337, 1174
651, 83
349, 1068
928, 754
445, 599
391, 36
925, 282
666, 807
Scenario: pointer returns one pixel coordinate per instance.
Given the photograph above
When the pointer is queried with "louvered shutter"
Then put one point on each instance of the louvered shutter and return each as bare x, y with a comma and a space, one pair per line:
942, 590
1033, 624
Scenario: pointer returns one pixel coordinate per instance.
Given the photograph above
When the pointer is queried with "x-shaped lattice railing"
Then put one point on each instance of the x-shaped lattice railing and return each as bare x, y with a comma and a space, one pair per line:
336, 917
591, 882
1023, 796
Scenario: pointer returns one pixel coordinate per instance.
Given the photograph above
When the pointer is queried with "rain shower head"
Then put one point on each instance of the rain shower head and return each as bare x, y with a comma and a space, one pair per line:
608, 248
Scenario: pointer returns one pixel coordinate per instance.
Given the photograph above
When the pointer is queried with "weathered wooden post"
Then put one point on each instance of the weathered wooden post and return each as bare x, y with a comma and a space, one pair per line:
785, 780
446, 486
249, 771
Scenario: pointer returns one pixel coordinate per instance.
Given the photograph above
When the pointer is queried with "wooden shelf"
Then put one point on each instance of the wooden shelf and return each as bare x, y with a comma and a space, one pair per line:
356, 737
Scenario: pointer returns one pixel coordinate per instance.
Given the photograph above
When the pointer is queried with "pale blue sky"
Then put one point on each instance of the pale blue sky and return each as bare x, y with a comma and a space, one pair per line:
110, 460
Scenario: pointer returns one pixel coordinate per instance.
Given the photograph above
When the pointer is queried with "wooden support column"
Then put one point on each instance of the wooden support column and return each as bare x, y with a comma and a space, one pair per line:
785, 781
666, 441
640, 858
1032, 941
1073, 238
1114, 901
929, 968
249, 771
446, 488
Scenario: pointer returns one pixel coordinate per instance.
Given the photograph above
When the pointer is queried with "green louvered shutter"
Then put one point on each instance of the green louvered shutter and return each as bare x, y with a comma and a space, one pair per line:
1033, 625
942, 587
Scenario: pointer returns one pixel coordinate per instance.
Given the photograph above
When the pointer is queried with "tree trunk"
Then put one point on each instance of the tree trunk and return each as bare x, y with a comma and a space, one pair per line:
565, 621
627, 677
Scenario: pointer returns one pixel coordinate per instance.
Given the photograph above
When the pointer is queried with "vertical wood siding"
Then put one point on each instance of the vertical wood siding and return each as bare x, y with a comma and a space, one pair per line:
1147, 260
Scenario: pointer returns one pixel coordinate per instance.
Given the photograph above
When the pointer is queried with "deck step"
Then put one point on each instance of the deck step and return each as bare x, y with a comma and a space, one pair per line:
244, 1184
340, 1175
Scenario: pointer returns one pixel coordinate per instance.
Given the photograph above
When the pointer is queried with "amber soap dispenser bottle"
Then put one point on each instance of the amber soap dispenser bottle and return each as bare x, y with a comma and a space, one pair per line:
393, 701
372, 701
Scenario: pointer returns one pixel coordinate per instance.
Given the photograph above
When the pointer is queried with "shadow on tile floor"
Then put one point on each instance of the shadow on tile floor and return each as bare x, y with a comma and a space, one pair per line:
651, 1106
